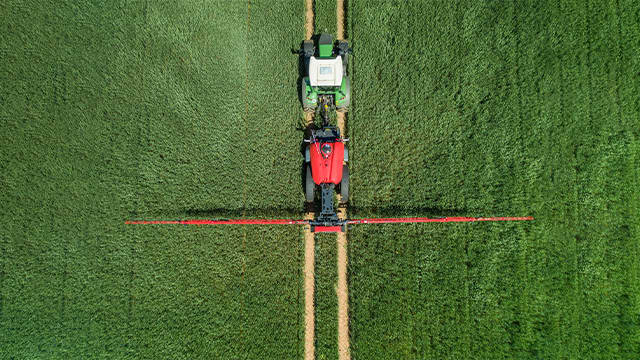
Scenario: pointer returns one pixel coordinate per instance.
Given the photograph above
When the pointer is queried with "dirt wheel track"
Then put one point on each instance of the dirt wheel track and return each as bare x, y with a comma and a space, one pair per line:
309, 289
342, 290
308, 19
309, 271
309, 238
343, 296
340, 19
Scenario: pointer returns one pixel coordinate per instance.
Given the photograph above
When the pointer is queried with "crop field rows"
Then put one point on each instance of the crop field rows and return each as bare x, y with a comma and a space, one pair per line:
486, 108
143, 109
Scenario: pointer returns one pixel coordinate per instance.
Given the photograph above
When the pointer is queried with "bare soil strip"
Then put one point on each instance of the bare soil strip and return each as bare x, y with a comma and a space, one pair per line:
343, 297
309, 240
309, 289
342, 289
308, 19
340, 19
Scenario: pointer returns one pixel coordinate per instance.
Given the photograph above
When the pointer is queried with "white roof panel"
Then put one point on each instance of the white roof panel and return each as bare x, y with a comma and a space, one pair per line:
325, 72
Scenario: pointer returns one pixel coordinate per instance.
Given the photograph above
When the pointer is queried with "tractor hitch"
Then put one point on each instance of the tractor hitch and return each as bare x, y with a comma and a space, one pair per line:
327, 220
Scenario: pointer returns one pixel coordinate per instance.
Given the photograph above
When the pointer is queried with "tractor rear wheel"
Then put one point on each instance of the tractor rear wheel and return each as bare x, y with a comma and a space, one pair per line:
306, 105
344, 185
347, 98
309, 185
343, 51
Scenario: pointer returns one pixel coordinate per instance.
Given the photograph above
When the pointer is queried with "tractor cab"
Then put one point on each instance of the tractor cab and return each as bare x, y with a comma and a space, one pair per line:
326, 79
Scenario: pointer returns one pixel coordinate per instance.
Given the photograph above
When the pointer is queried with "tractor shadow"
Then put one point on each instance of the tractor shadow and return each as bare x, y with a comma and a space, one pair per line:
400, 211
355, 212
222, 213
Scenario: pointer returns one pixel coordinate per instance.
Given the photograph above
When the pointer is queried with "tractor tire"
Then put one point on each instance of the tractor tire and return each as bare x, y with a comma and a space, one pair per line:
309, 185
308, 48
347, 100
343, 51
344, 185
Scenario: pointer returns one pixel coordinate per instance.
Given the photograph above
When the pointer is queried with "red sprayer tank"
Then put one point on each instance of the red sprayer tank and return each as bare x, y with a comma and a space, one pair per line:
326, 162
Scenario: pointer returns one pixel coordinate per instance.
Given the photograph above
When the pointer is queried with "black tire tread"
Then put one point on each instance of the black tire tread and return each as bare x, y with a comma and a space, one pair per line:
344, 185
309, 185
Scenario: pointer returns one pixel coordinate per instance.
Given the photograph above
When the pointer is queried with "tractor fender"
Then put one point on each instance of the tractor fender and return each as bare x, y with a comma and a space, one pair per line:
309, 97
342, 104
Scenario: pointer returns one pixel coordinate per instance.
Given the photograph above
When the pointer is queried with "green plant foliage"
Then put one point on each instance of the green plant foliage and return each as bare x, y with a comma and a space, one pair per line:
123, 109
325, 17
493, 108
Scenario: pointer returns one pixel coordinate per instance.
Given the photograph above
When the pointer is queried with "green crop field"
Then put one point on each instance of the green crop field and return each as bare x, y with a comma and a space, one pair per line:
156, 109
486, 108
138, 109
325, 16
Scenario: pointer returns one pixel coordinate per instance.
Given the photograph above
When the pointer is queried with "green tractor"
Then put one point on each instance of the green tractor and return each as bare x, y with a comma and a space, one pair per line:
326, 83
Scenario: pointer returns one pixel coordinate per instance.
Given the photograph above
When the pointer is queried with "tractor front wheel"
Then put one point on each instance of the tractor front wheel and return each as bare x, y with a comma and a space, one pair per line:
308, 48
344, 185
309, 185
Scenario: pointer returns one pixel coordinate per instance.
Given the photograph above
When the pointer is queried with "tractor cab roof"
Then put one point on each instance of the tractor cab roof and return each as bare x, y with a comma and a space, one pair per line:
325, 72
